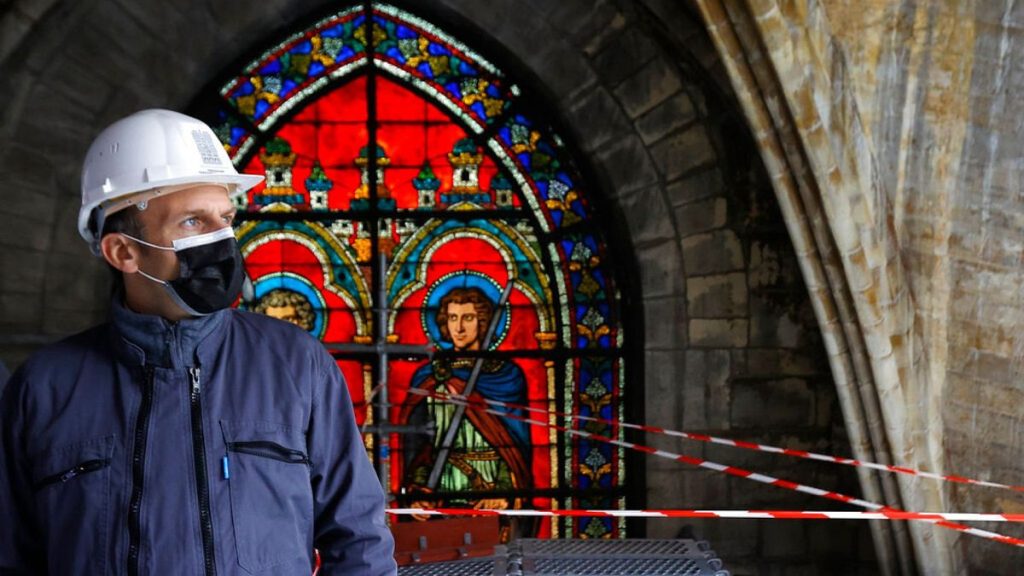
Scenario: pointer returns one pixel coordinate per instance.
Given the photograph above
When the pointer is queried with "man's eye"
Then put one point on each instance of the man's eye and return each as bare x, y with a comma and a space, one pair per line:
191, 222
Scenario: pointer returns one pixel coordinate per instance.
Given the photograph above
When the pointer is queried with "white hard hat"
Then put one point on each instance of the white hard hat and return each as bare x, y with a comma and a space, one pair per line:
155, 151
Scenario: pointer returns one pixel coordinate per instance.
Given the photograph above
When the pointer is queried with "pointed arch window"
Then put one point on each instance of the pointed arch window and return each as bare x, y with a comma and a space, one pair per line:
413, 194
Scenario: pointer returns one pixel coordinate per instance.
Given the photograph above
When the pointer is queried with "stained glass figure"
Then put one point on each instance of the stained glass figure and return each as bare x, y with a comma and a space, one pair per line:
408, 189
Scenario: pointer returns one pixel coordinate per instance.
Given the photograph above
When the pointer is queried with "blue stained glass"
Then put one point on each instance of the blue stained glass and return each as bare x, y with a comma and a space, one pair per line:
479, 109
424, 69
345, 54
556, 217
272, 67
435, 49
316, 69
335, 31
404, 32
304, 47
287, 86
261, 108
395, 54
245, 89
493, 91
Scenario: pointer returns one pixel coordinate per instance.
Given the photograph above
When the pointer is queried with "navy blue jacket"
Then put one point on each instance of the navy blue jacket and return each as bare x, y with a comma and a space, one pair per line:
217, 445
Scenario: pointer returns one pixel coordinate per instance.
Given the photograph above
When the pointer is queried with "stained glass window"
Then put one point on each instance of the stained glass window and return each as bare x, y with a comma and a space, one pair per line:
422, 220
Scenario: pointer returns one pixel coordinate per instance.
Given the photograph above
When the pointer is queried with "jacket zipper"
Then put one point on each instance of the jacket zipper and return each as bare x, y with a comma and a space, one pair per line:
83, 468
138, 471
269, 449
202, 483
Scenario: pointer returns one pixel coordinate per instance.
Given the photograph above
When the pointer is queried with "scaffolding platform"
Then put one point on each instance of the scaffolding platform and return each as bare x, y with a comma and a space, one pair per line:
633, 557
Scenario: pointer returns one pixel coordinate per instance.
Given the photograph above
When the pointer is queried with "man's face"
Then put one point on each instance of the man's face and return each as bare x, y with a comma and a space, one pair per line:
190, 212
463, 326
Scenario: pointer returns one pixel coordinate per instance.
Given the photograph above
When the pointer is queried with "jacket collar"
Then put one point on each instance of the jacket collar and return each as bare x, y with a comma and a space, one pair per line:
150, 339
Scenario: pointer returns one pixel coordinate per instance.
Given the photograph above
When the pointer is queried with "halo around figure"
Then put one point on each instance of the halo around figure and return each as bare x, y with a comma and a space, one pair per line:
462, 279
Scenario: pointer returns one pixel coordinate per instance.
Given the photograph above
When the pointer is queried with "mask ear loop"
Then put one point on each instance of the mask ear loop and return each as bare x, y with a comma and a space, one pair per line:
144, 243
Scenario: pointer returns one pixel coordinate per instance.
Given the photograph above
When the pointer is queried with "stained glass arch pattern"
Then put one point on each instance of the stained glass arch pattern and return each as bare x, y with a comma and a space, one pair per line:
407, 173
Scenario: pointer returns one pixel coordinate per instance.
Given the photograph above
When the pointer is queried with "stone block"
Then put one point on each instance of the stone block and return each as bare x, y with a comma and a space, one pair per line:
25, 234
564, 71
14, 27
34, 9
774, 325
761, 403
660, 270
23, 270
718, 333
65, 322
74, 80
598, 119
20, 312
627, 166
682, 152
648, 216
721, 296
784, 539
702, 216
712, 253
656, 82
670, 115
696, 186
665, 323
772, 363
623, 56
73, 282
706, 385
662, 387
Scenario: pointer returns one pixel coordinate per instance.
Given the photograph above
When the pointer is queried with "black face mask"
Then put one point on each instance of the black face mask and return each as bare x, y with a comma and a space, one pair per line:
211, 272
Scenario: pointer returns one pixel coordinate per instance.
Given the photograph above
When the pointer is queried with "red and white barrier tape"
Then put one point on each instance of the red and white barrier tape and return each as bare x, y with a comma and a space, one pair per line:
738, 514
734, 443
739, 472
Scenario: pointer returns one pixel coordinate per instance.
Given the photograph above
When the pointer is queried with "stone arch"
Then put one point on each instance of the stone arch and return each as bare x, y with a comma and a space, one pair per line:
636, 84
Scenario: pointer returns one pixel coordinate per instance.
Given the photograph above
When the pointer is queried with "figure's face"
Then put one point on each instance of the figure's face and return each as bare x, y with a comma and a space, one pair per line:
286, 313
463, 326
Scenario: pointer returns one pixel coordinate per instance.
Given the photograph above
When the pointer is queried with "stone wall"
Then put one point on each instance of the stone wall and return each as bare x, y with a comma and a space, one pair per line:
730, 344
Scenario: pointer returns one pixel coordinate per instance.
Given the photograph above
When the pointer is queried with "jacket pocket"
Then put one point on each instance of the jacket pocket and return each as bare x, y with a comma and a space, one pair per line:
267, 471
71, 486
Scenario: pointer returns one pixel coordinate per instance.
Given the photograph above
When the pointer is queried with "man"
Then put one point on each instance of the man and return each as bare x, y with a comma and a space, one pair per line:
489, 453
182, 437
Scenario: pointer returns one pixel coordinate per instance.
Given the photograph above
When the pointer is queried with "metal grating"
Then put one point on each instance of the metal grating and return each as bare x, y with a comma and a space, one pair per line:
530, 557
609, 566
477, 567
681, 547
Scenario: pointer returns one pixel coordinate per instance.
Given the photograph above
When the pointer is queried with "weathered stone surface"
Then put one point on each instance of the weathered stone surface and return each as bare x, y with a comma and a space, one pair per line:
787, 540
657, 81
645, 212
624, 56
706, 388
665, 323
696, 186
723, 296
718, 333
667, 117
682, 152
658, 274
715, 252
20, 313
702, 216
787, 402
598, 118
627, 166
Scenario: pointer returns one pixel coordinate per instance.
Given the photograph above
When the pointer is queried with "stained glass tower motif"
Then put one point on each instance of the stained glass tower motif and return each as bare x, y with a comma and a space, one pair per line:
407, 174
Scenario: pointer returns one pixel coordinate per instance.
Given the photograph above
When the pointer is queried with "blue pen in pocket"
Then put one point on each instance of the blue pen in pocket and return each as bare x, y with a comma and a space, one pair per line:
227, 471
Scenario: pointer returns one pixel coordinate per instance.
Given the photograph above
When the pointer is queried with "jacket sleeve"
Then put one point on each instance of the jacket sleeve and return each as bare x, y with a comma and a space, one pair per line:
20, 553
349, 527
